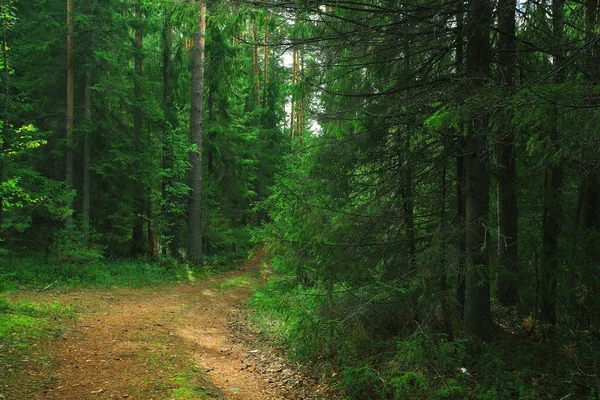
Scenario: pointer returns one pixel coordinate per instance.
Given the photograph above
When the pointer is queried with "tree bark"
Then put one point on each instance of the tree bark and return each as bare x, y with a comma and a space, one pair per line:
152, 244
86, 157
87, 100
166, 43
591, 198
508, 212
266, 58
446, 320
256, 66
477, 319
294, 81
461, 214
553, 188
460, 173
6, 90
137, 237
196, 122
69, 135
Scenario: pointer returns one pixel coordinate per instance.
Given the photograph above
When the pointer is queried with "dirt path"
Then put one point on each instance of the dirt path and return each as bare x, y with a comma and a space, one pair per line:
165, 343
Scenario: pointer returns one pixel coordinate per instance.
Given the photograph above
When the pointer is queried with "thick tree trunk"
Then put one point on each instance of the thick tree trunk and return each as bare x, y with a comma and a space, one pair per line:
591, 202
592, 60
460, 173
167, 162
446, 319
69, 149
6, 92
508, 212
553, 188
408, 205
137, 237
550, 258
196, 122
461, 215
477, 319
86, 157
87, 100
591, 198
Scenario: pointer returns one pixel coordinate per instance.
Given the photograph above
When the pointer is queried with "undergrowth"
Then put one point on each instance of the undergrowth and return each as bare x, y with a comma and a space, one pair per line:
336, 336
32, 273
24, 326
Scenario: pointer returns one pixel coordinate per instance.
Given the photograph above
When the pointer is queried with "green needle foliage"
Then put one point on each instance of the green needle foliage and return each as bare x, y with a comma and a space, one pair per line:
425, 175
435, 238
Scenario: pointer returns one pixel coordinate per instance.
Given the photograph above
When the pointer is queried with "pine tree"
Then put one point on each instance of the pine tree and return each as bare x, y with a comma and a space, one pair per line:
194, 246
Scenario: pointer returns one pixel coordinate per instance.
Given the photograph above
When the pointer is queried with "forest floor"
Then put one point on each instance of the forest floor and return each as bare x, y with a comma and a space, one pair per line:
183, 341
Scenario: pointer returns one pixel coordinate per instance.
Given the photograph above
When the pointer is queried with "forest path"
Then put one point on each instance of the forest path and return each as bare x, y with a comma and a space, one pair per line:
172, 342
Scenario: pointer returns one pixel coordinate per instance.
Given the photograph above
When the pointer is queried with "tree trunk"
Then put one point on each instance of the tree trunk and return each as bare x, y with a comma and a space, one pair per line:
591, 198
460, 222
592, 60
446, 320
6, 91
508, 213
256, 67
137, 237
196, 125
166, 43
86, 157
477, 319
266, 58
553, 188
152, 244
294, 81
460, 173
87, 100
408, 204
69, 150
591, 202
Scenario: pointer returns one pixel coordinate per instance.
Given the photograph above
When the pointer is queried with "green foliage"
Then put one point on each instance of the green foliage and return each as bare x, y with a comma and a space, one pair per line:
30, 272
23, 325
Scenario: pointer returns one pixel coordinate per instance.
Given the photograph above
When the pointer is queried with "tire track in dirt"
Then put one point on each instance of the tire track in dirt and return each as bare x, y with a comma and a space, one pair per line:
166, 343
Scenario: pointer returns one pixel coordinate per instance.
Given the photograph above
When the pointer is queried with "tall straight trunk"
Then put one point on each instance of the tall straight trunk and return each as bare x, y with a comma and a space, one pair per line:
294, 100
553, 188
477, 319
69, 150
591, 202
167, 158
460, 172
508, 212
266, 57
6, 92
86, 157
407, 190
300, 112
591, 184
592, 60
256, 66
87, 102
460, 222
152, 243
211, 136
446, 320
137, 237
196, 125
409, 215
